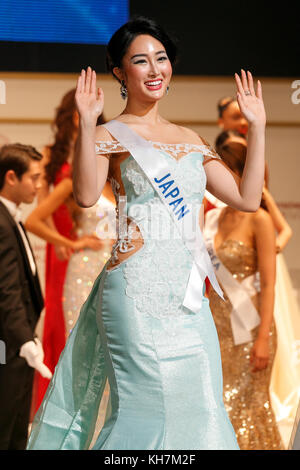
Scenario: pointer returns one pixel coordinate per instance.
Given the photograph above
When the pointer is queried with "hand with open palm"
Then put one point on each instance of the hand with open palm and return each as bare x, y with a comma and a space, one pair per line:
250, 102
89, 99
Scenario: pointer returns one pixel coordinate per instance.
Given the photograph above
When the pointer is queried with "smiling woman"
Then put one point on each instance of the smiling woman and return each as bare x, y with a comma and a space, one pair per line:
146, 326
149, 71
146, 51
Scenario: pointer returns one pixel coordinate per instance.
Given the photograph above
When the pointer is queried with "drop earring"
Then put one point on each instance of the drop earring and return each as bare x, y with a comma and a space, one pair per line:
167, 89
123, 90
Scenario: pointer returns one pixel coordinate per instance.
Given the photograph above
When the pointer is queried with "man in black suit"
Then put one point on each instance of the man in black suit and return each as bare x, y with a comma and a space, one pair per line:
21, 300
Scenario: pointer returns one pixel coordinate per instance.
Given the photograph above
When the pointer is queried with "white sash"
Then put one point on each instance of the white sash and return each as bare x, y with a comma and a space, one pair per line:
184, 215
244, 316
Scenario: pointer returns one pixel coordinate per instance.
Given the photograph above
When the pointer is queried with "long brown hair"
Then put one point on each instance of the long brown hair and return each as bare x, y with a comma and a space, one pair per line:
64, 128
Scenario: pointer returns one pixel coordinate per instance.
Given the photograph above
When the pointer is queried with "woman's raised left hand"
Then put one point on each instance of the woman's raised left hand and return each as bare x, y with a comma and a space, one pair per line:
250, 102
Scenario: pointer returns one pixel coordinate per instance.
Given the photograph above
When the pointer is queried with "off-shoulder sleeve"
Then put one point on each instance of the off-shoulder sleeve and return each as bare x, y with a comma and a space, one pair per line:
106, 148
209, 152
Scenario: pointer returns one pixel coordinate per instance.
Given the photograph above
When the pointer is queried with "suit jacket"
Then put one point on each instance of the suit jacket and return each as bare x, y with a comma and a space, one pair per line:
21, 300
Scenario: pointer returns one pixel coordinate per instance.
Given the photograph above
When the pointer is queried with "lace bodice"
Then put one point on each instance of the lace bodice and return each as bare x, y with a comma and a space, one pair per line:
143, 206
176, 151
155, 257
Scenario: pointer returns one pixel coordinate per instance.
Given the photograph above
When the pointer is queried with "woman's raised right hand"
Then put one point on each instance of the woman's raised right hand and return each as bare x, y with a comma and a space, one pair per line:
89, 99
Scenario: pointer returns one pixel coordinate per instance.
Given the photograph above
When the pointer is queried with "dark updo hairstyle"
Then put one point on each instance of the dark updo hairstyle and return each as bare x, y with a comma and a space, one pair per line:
123, 37
223, 104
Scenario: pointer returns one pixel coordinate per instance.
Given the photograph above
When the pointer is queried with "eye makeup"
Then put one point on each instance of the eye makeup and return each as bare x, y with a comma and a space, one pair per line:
141, 58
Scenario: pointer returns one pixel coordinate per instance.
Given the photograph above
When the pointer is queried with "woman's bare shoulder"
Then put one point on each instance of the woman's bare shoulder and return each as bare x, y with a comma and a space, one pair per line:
102, 135
262, 219
190, 136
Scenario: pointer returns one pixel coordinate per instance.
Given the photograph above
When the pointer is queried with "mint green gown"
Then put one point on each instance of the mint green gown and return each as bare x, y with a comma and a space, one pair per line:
162, 360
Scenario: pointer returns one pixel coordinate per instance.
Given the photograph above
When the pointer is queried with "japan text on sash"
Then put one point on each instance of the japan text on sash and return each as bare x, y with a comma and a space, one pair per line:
185, 215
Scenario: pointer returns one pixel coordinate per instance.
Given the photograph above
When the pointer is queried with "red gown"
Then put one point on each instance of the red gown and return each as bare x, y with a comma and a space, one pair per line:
54, 333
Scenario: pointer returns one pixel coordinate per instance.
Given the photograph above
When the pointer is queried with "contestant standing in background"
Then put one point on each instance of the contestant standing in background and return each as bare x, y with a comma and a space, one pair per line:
285, 378
243, 244
283, 229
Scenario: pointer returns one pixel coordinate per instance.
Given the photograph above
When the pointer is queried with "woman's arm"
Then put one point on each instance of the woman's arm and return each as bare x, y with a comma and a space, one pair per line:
36, 221
282, 227
243, 193
264, 234
89, 170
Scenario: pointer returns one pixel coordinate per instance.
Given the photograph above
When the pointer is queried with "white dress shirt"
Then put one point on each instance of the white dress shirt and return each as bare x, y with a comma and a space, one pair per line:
15, 212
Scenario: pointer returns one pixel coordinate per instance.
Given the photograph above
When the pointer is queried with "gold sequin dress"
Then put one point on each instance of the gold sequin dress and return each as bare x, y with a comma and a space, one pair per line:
246, 393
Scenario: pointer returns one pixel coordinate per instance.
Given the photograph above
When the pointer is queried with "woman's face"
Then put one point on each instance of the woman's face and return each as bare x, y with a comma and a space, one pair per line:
232, 119
146, 69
